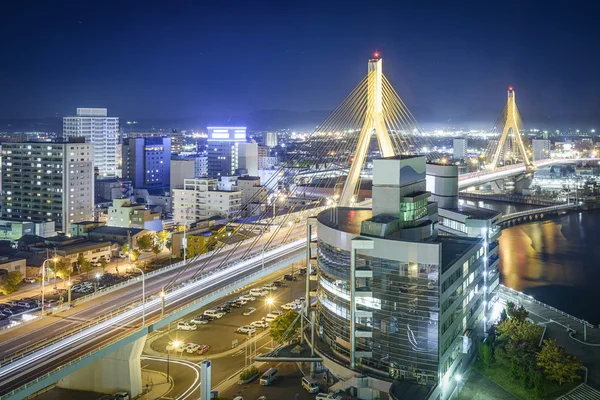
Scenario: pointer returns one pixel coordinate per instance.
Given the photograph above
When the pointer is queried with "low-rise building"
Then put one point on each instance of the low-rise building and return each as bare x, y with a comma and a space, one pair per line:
110, 189
125, 214
14, 230
91, 251
198, 241
118, 235
201, 198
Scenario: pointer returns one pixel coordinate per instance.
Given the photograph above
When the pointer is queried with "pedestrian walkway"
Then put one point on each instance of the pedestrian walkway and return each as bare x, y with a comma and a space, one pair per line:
582, 392
566, 329
157, 385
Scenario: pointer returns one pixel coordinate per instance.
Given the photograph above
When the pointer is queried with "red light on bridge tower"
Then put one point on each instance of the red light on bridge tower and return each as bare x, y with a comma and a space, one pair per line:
376, 54
510, 88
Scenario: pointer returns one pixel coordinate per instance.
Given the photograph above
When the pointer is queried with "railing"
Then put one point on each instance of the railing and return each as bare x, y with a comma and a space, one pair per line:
218, 293
115, 312
549, 307
542, 210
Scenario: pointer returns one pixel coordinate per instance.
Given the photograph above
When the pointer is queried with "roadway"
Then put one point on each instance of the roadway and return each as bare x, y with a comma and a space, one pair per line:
20, 371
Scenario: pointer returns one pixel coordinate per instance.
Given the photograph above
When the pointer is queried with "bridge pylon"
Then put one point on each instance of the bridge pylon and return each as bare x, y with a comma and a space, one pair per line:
510, 122
373, 123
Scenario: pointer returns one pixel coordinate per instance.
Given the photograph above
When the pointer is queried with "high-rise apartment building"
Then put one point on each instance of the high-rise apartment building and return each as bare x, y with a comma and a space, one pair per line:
102, 131
48, 182
460, 148
393, 297
541, 149
271, 139
201, 198
147, 161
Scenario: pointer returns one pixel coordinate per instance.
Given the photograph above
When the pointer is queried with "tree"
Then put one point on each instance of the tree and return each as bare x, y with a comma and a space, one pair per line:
162, 237
63, 268
10, 282
135, 255
125, 249
485, 354
86, 267
538, 384
280, 325
557, 364
145, 242
518, 313
517, 331
156, 250
103, 264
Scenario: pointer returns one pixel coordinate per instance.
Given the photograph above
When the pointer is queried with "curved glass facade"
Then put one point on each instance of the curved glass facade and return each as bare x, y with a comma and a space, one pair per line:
397, 312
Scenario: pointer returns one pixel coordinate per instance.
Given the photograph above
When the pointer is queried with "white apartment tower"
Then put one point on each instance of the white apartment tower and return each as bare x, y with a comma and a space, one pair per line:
102, 131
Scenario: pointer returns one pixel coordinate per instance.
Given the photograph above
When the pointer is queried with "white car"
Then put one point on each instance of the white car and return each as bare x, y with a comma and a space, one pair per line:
327, 396
259, 324
246, 329
186, 326
289, 306
214, 314
249, 311
258, 292
248, 298
191, 347
270, 287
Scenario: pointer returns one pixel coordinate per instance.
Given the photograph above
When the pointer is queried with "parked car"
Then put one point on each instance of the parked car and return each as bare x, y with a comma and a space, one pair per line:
214, 313
203, 349
241, 302
269, 287
199, 320
302, 271
247, 329
191, 347
51, 303
122, 395
279, 283
186, 326
258, 292
310, 385
289, 277
289, 306
259, 324
29, 280
234, 304
249, 311
223, 308
248, 298
327, 396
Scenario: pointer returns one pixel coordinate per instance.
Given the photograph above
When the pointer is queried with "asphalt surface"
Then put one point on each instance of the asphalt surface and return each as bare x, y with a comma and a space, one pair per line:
286, 387
19, 339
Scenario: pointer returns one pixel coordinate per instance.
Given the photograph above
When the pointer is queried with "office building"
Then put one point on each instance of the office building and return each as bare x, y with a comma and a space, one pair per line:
395, 299
271, 139
147, 162
113, 188
460, 148
48, 182
265, 161
229, 153
102, 131
188, 167
200, 198
541, 149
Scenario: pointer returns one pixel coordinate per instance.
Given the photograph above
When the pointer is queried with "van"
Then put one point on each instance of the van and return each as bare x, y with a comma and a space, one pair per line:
310, 385
268, 377
258, 292
214, 313
271, 316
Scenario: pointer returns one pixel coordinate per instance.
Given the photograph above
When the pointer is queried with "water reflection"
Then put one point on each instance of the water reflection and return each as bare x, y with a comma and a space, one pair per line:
556, 261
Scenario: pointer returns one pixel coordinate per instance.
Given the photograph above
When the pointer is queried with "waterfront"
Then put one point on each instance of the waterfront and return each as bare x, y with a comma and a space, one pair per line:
556, 261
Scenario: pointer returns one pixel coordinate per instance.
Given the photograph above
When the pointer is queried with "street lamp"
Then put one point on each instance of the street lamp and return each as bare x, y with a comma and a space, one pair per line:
43, 279
173, 345
162, 301
143, 295
69, 296
97, 283
184, 241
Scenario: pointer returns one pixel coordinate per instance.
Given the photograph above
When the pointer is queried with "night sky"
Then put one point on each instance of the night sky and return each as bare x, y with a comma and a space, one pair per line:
176, 59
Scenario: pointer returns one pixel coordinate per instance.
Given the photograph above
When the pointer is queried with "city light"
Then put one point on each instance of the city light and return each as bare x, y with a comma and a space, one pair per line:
458, 377
270, 301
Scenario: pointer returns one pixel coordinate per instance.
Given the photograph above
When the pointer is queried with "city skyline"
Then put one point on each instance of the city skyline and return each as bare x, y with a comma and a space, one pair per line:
195, 61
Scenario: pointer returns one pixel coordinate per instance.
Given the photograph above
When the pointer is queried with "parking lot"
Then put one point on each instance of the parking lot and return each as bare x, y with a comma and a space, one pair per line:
220, 334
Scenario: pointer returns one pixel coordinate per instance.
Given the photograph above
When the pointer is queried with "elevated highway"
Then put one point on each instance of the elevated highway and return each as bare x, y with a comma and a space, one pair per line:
478, 178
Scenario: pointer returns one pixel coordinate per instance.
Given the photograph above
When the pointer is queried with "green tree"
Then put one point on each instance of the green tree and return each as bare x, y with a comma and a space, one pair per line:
63, 268
86, 267
280, 325
162, 237
517, 331
519, 313
125, 249
135, 255
538, 384
156, 250
557, 364
145, 242
103, 264
485, 354
514, 371
10, 282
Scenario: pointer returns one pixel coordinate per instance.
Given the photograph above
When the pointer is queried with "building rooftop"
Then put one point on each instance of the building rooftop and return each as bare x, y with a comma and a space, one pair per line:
453, 247
348, 219
475, 212
116, 231
249, 178
86, 222
82, 246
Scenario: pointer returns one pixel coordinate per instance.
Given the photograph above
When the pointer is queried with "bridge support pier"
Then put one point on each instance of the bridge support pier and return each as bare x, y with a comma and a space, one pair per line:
117, 371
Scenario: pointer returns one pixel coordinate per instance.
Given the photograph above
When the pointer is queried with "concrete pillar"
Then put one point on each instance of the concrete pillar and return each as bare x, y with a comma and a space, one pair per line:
117, 371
